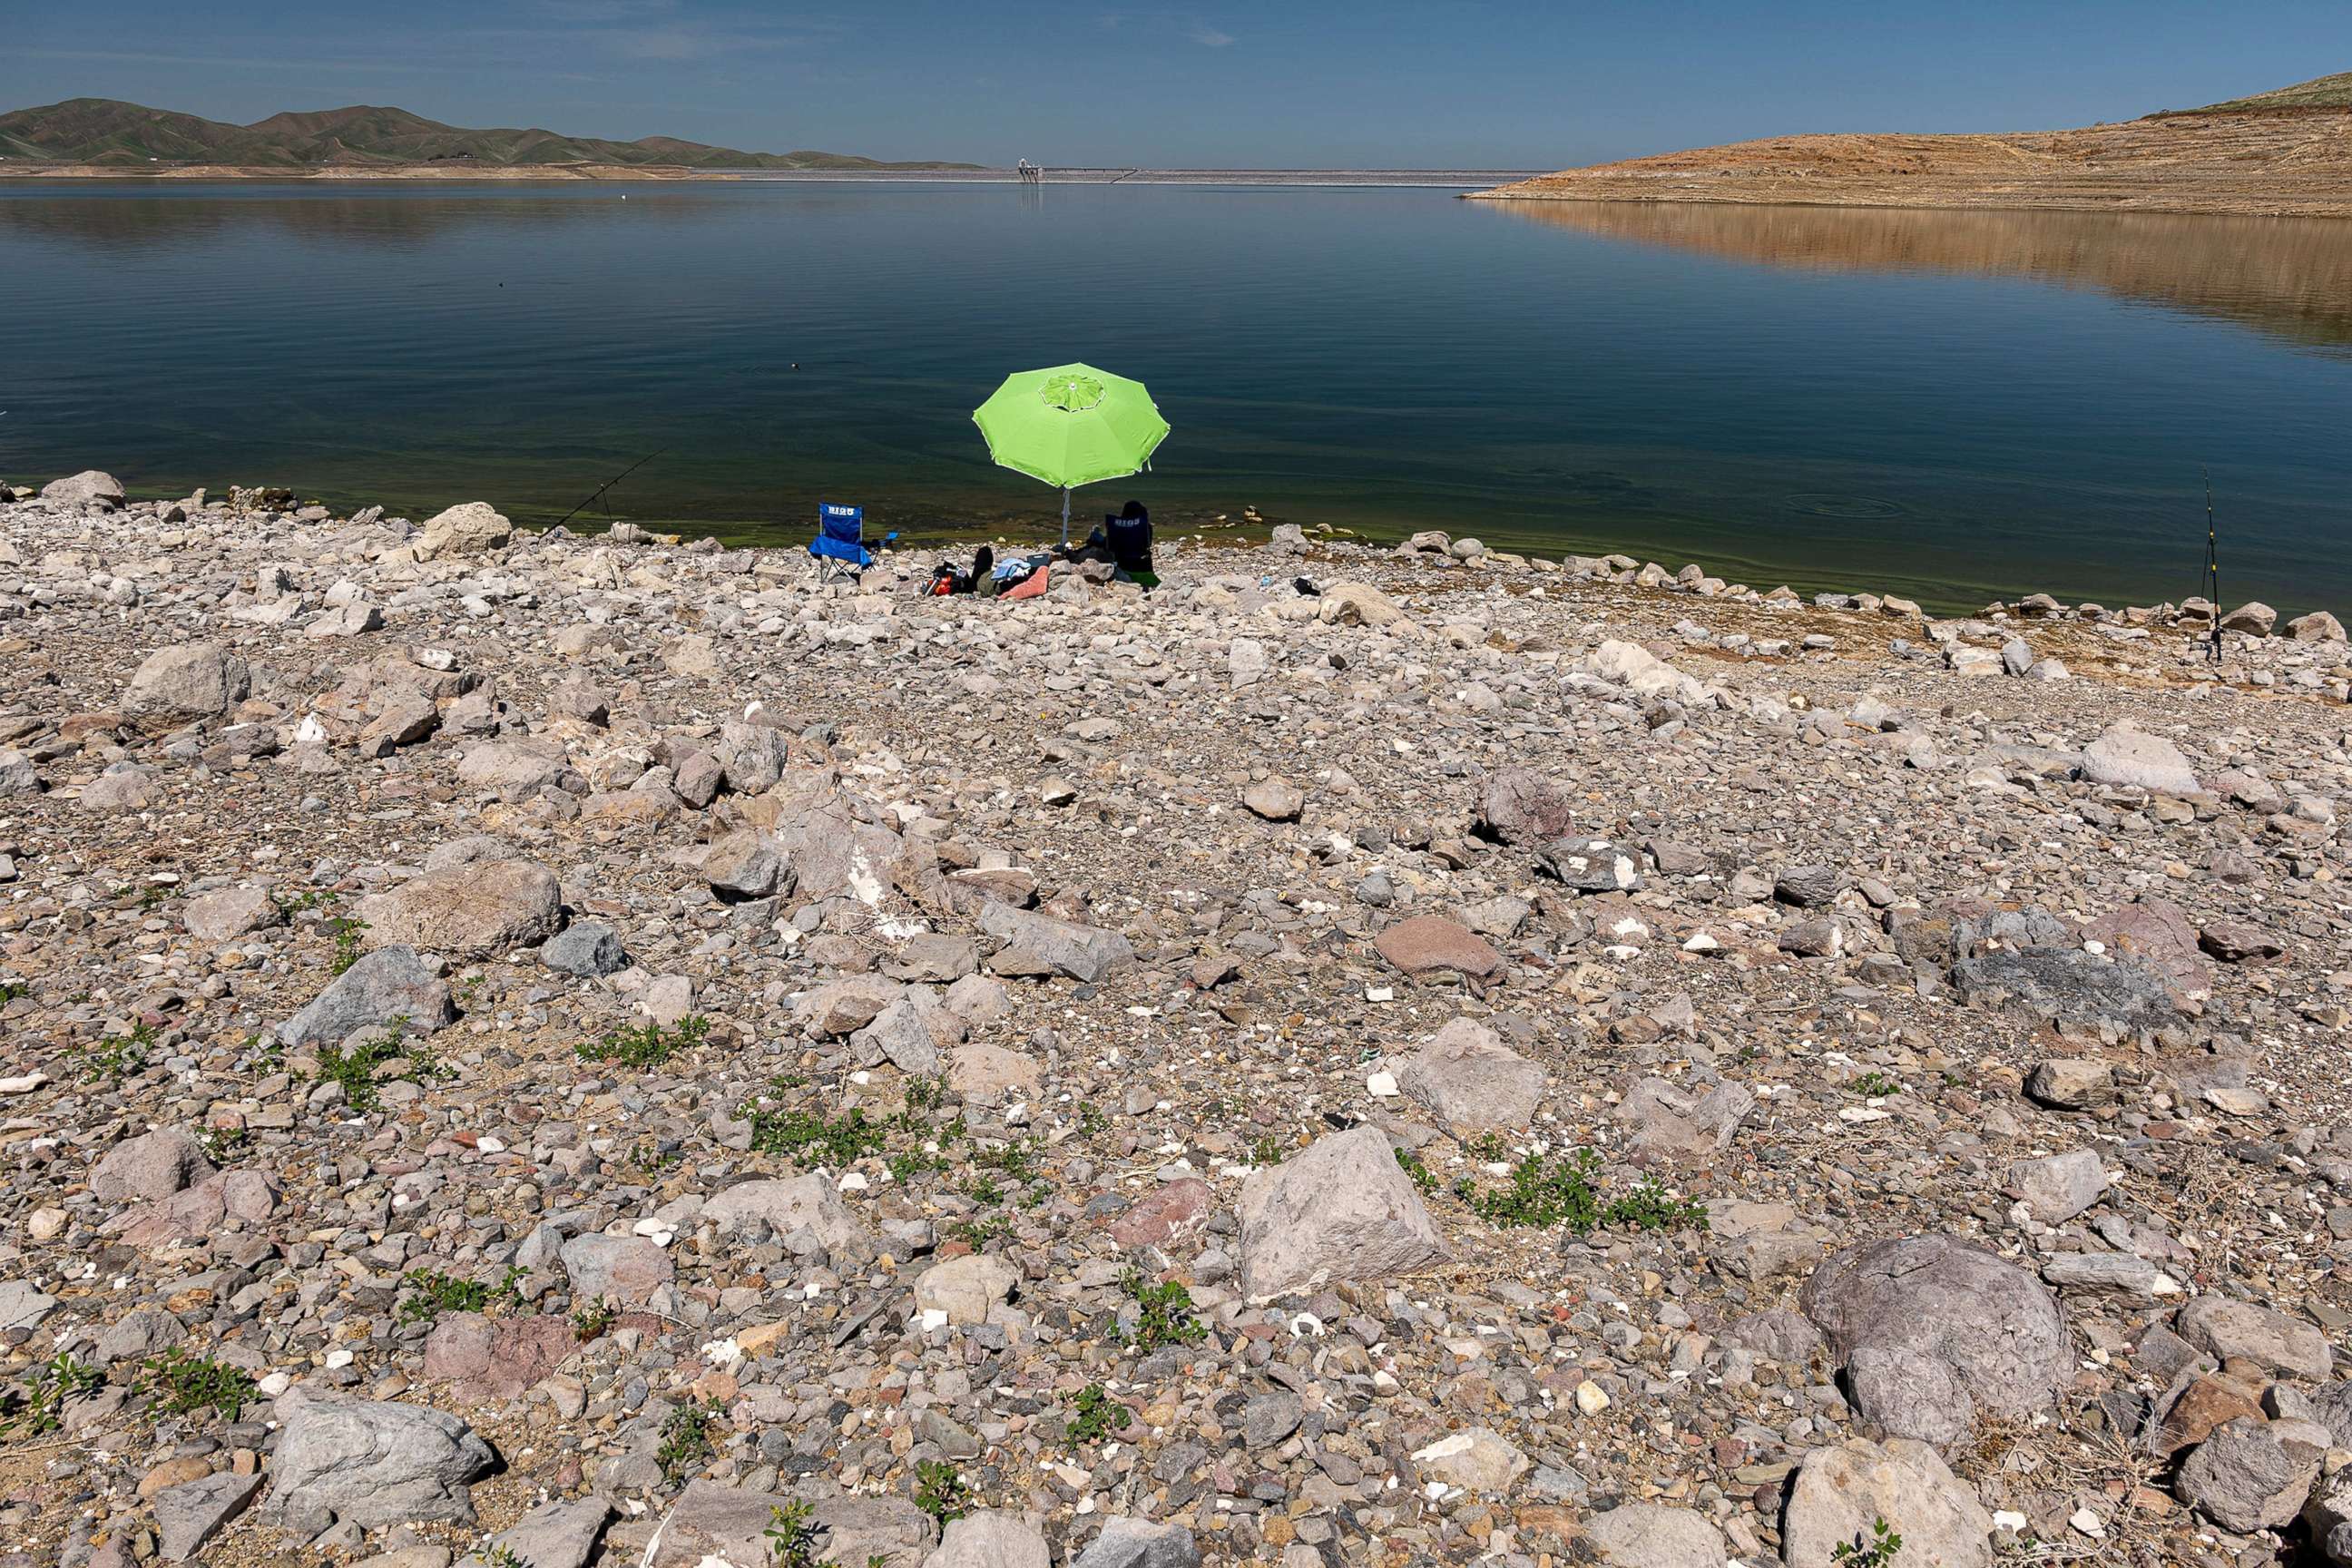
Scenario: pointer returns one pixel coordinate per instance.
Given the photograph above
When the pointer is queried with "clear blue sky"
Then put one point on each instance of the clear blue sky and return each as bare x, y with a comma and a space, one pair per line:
1276, 83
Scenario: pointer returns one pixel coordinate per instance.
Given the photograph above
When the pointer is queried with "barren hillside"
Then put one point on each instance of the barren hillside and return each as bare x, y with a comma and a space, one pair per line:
2282, 153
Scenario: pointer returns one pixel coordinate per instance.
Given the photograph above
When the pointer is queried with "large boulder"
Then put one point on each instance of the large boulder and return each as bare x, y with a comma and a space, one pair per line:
558, 1534
2130, 758
231, 912
2067, 986
789, 1205
495, 1358
467, 911
1520, 806
2241, 1330
189, 681
1037, 943
2254, 1475
989, 1538
390, 983
2254, 617
1343, 1209
516, 768
1670, 1125
626, 1270
2057, 1188
1432, 945
91, 486
469, 528
1843, 1490
1130, 1542
233, 1199
1653, 1535
151, 1166
750, 755
966, 1288
373, 1463
188, 1516
2317, 627
1640, 671
1358, 605
1476, 1460
716, 1526
1932, 1332
1467, 1077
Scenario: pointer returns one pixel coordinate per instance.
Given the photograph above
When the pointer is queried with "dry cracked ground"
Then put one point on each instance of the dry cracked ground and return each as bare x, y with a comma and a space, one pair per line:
530, 1049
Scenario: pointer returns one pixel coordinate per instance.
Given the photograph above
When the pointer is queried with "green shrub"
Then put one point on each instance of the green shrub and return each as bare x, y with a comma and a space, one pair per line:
1164, 1313
183, 1384
686, 1446
940, 1490
1094, 1414
647, 1045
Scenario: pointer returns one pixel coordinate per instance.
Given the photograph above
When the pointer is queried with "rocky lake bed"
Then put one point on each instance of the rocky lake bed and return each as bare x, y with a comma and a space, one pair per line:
527, 1050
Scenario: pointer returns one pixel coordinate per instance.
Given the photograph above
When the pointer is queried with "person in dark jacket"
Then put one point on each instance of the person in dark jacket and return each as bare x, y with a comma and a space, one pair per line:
1130, 538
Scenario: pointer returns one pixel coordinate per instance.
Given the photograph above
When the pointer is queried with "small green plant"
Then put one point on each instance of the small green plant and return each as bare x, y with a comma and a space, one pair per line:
1487, 1148
593, 1320
940, 1490
348, 931
126, 1056
1875, 1084
12, 989
1423, 1176
685, 1442
54, 1381
978, 1233
1648, 1206
1163, 1313
987, 1192
436, 1293
908, 1163
646, 1045
1017, 1161
183, 1384
223, 1144
1877, 1552
1544, 1192
503, 1556
1266, 1150
924, 1095
792, 1539
803, 1134
1094, 1414
355, 1069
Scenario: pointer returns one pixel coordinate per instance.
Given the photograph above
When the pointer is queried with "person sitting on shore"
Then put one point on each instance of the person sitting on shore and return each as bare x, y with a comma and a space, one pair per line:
1129, 539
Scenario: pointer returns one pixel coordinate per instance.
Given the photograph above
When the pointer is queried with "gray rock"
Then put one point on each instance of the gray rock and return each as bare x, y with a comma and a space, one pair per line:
91, 486
1130, 1542
1590, 865
151, 1166
1467, 1077
2254, 617
2072, 1083
989, 1538
1842, 1491
1520, 806
2068, 985
626, 1270
1670, 1124
23, 1305
189, 1515
1275, 799
374, 1464
467, 911
469, 528
1652, 1535
2251, 1474
1476, 1460
552, 1535
2317, 627
2117, 1273
2270, 1340
1038, 943
19, 774
744, 865
189, 681
788, 1205
750, 755
230, 913
390, 983
902, 1032
967, 1289
1808, 887
1341, 1210
2128, 758
584, 948
1934, 1331
2056, 1188
1268, 1418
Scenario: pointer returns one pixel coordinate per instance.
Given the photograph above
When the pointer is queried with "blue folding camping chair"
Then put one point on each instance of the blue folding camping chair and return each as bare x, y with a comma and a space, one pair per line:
839, 547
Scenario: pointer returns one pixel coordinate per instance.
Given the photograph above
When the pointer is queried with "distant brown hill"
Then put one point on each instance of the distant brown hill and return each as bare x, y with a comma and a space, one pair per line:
104, 133
2287, 153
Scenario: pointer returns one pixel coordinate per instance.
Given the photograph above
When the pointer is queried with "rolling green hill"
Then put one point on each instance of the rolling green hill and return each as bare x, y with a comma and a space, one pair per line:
104, 131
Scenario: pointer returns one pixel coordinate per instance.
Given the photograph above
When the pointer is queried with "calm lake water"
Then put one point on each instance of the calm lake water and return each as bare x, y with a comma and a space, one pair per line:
1953, 404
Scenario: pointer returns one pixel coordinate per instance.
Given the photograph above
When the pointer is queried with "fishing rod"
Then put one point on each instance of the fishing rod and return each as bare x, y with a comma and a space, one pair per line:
2212, 571
597, 494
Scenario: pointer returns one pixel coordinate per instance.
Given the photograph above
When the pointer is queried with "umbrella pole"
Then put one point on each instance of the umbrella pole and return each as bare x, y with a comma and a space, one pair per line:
1066, 518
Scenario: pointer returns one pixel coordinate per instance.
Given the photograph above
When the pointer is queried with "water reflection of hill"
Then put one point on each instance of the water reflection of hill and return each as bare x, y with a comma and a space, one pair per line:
2289, 276
145, 216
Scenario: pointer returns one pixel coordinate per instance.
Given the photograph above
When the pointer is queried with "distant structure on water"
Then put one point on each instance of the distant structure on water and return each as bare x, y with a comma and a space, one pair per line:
1031, 174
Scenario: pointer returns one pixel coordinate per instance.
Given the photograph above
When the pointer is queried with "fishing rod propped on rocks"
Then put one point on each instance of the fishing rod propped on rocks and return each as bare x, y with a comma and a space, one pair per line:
596, 496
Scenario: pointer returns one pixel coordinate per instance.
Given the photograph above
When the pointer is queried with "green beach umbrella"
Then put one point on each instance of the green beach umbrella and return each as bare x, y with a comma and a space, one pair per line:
1070, 426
